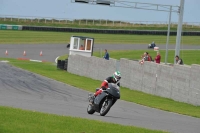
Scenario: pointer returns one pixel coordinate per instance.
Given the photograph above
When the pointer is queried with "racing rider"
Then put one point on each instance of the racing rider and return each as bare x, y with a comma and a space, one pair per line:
104, 85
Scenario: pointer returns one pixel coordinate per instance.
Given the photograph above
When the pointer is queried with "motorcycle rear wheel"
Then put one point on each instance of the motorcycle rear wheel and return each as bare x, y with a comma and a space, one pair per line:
105, 107
90, 110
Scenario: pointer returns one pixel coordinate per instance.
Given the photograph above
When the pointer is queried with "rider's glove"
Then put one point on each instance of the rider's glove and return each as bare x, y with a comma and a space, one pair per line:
103, 88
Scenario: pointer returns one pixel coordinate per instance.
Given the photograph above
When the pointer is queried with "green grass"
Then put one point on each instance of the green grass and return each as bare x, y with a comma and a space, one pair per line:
39, 37
103, 25
189, 56
63, 57
21, 121
50, 70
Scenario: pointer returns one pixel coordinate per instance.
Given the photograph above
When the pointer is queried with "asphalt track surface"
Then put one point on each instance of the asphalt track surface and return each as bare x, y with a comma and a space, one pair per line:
26, 90
52, 51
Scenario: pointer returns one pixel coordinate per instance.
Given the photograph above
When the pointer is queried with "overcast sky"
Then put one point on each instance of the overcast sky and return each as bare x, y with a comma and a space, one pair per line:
66, 9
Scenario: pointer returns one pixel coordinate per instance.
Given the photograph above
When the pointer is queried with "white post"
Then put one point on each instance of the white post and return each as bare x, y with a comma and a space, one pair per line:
179, 29
168, 34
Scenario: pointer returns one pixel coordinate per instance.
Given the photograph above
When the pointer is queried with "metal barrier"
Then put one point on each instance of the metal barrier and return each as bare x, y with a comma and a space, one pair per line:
104, 31
99, 22
10, 27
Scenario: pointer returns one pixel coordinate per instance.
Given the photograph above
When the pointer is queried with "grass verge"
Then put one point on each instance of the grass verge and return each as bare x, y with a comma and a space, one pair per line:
21, 121
49, 70
39, 37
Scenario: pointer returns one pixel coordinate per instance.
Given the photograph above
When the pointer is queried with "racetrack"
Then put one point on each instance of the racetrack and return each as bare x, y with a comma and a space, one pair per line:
52, 51
22, 89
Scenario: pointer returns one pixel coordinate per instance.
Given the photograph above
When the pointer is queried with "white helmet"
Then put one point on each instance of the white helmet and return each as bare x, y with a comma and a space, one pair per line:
117, 76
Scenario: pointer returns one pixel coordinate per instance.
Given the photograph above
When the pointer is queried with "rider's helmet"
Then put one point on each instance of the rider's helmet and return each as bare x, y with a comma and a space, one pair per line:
116, 76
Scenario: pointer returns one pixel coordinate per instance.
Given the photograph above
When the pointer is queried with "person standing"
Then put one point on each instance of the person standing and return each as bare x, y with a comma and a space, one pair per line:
158, 58
179, 61
81, 48
106, 55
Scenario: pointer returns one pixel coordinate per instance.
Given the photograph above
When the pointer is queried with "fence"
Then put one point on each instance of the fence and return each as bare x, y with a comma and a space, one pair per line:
100, 22
180, 83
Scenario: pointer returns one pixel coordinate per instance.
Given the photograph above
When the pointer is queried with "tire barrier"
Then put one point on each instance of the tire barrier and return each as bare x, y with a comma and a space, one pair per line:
66, 64
109, 31
62, 64
10, 27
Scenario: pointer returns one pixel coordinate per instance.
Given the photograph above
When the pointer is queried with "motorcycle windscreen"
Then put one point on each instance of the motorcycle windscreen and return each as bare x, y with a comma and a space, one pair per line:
114, 90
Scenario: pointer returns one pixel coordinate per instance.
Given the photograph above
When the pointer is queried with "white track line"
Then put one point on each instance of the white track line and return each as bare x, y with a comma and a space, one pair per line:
5, 61
56, 59
35, 60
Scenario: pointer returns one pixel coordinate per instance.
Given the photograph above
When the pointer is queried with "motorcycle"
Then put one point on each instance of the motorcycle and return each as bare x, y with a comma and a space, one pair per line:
104, 101
152, 45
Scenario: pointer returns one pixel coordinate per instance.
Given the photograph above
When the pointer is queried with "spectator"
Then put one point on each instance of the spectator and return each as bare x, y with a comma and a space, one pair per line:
148, 56
179, 61
106, 56
158, 58
144, 58
81, 48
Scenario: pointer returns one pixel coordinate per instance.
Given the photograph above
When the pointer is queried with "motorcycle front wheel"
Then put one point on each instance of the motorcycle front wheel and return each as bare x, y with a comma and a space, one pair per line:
105, 107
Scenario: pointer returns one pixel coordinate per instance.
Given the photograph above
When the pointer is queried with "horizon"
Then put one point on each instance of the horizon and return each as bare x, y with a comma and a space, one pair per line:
67, 10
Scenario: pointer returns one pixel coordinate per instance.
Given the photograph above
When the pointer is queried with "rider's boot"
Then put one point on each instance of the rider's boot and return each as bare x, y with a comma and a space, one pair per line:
92, 99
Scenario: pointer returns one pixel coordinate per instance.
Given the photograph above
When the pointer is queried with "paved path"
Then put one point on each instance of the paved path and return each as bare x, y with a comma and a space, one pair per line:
51, 51
26, 90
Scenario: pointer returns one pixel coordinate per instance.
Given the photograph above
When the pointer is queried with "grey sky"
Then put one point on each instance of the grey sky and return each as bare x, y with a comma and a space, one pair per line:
66, 9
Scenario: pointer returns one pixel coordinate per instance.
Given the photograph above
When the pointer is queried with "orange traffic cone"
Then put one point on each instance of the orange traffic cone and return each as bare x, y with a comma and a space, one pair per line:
24, 54
40, 53
6, 53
